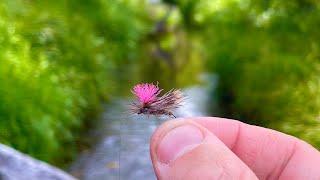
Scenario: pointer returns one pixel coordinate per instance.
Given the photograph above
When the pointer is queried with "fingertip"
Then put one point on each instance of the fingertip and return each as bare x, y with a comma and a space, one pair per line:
182, 147
159, 164
168, 126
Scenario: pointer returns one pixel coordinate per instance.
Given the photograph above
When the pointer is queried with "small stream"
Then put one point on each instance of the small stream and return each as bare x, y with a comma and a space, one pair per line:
122, 151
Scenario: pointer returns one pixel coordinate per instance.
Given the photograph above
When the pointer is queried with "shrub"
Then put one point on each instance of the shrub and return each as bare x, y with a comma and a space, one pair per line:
57, 61
267, 60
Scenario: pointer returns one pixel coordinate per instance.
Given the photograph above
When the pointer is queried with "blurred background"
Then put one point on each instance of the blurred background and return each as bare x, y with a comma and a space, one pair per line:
64, 63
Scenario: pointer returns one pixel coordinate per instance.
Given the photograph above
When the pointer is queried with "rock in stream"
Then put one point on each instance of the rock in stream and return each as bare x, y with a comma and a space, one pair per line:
18, 166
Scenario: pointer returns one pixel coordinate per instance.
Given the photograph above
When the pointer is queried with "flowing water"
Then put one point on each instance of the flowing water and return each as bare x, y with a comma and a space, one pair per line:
122, 149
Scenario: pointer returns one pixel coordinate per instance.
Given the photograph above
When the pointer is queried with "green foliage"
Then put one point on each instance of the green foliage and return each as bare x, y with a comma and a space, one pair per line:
57, 62
266, 54
60, 59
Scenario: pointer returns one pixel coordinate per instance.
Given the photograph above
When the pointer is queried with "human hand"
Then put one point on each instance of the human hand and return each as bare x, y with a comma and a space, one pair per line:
217, 148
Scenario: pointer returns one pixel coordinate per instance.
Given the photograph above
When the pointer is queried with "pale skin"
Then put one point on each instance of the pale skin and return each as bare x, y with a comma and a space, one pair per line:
216, 148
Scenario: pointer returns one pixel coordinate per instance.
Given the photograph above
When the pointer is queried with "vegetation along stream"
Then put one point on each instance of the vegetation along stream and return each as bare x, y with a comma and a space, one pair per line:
67, 67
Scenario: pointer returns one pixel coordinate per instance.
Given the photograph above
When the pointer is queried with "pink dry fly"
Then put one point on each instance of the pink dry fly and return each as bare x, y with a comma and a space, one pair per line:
149, 102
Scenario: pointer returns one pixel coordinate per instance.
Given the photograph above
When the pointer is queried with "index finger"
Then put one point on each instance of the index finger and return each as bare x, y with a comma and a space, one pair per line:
270, 154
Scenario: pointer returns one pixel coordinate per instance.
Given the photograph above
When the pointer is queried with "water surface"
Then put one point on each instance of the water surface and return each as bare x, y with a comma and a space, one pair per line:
122, 151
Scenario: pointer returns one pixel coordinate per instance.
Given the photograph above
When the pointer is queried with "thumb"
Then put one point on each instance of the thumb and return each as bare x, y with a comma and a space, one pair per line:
182, 149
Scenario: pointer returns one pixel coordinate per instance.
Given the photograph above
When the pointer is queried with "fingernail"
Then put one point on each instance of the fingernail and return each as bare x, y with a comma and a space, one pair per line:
177, 142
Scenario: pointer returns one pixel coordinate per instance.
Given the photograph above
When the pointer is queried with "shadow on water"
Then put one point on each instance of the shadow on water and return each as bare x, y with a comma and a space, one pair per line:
122, 148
